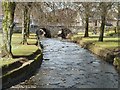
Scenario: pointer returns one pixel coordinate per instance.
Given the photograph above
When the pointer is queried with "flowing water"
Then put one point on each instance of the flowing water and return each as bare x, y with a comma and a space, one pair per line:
67, 65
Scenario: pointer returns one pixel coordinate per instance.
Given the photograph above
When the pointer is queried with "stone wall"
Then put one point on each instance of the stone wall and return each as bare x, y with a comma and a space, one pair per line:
55, 29
22, 73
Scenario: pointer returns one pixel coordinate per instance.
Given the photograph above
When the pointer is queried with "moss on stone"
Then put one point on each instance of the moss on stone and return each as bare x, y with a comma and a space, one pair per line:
7, 62
116, 62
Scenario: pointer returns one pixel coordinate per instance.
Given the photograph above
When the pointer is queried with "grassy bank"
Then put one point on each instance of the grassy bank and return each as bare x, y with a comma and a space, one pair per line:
25, 58
7, 62
109, 42
18, 49
108, 49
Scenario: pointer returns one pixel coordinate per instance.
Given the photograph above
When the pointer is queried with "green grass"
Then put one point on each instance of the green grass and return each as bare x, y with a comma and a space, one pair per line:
18, 49
108, 43
17, 39
31, 41
7, 62
24, 50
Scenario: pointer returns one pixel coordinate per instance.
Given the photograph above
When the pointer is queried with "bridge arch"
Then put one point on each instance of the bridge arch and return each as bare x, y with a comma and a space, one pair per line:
47, 32
64, 33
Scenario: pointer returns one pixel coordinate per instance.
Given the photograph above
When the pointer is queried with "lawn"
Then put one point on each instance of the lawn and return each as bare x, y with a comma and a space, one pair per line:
108, 43
24, 50
18, 49
17, 38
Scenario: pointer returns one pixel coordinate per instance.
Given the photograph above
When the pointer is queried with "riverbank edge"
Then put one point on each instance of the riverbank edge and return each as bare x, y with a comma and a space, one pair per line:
23, 72
104, 54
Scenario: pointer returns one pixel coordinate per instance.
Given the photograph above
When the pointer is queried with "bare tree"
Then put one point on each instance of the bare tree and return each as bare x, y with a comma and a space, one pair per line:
87, 15
25, 13
54, 13
104, 7
85, 9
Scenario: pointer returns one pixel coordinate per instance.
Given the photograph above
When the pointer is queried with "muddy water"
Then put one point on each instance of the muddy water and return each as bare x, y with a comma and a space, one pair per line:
67, 65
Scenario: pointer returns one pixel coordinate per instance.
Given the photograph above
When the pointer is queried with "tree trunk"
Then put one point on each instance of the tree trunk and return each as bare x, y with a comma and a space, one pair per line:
95, 29
7, 25
86, 26
102, 28
103, 20
118, 26
115, 29
24, 26
28, 24
118, 18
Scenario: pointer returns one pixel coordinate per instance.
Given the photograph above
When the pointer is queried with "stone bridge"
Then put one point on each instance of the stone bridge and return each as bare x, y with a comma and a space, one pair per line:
55, 29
